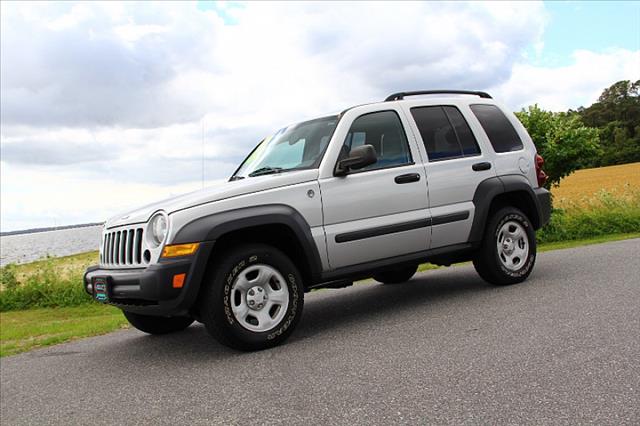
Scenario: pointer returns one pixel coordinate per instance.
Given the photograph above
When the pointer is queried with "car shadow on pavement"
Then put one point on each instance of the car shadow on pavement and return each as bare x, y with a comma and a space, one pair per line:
371, 301
325, 311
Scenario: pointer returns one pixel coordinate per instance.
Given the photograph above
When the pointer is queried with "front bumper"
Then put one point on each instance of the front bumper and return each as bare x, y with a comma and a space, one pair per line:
150, 290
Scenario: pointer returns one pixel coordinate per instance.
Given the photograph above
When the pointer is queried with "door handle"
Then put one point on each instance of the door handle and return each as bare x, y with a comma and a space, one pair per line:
408, 178
481, 166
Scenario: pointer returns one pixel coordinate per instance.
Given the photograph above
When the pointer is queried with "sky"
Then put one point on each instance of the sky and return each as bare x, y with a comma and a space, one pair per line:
107, 106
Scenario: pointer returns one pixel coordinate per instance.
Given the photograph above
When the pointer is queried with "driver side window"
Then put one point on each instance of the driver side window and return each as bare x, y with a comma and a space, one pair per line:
383, 130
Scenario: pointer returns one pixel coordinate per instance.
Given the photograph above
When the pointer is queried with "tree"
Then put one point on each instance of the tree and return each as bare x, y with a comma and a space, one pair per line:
562, 139
617, 115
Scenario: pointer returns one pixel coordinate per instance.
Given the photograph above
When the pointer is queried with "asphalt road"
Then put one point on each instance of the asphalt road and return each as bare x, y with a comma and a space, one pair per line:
562, 348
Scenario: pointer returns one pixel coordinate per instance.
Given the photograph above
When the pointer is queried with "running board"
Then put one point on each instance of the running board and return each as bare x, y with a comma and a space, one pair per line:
332, 284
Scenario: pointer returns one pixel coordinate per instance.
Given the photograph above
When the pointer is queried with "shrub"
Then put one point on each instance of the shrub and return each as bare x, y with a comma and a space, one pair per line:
562, 139
44, 288
8, 280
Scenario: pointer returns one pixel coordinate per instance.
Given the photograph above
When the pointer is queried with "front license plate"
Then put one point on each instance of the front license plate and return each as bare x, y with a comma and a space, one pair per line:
100, 289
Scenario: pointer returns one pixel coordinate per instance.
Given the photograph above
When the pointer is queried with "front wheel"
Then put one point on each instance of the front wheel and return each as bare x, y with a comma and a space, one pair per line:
253, 298
508, 251
157, 325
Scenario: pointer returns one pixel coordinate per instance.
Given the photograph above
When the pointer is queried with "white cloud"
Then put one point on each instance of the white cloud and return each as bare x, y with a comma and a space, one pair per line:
571, 86
103, 103
94, 65
33, 197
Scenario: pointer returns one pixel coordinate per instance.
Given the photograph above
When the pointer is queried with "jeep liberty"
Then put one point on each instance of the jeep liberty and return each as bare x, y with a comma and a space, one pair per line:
374, 191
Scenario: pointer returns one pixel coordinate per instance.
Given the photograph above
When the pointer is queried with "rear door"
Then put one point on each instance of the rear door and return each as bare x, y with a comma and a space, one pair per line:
380, 211
455, 165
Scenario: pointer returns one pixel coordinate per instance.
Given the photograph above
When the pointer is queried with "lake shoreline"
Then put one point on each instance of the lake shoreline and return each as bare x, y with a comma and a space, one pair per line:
48, 229
29, 247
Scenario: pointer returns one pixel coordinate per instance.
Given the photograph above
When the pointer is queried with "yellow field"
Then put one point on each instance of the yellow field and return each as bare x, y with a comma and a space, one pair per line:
584, 186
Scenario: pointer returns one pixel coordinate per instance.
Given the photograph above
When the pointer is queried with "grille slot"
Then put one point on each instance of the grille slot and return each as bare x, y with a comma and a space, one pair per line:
123, 247
138, 247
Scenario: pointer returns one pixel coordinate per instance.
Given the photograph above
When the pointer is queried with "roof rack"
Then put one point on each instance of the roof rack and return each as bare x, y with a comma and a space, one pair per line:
400, 95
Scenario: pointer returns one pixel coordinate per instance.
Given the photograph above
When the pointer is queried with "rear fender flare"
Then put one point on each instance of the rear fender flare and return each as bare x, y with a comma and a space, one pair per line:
488, 190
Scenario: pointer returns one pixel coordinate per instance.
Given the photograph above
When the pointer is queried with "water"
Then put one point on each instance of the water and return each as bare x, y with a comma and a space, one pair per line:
29, 247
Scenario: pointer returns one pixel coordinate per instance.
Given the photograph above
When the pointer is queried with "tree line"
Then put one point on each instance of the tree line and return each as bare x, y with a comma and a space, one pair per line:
603, 134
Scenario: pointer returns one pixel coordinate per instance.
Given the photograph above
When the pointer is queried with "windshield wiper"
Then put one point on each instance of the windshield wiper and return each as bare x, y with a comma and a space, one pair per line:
265, 171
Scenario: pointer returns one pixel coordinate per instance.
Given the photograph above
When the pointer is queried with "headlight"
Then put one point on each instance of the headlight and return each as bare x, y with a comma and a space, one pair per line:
158, 226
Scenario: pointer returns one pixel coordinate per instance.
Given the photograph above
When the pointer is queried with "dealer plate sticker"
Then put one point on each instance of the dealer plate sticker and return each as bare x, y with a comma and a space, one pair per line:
100, 289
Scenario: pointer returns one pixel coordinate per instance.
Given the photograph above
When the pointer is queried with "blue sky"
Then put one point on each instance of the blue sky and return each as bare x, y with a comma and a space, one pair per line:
109, 100
591, 26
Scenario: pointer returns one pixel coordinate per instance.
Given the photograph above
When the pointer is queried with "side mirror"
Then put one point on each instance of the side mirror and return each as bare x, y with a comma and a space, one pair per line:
358, 158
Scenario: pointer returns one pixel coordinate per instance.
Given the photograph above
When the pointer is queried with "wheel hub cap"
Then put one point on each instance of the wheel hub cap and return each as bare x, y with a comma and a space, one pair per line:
256, 298
513, 245
259, 298
508, 245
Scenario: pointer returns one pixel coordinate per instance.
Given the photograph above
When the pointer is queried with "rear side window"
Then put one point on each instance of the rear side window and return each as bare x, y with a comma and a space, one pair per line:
502, 135
463, 131
445, 133
384, 131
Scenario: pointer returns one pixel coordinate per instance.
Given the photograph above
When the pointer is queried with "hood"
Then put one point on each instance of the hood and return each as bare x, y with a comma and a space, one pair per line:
212, 194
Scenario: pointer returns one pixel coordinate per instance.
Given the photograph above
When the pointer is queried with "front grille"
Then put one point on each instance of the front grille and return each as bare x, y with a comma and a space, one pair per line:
122, 248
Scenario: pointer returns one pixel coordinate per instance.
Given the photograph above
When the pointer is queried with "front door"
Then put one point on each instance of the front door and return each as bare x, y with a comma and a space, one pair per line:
380, 211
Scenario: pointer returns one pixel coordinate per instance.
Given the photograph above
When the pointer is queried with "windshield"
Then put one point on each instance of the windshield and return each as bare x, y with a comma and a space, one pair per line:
299, 146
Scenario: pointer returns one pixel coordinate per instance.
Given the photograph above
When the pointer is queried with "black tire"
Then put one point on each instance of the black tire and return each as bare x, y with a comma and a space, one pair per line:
488, 262
215, 304
157, 325
396, 276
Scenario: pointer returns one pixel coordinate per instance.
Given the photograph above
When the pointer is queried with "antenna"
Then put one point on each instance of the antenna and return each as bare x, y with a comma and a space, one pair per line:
203, 152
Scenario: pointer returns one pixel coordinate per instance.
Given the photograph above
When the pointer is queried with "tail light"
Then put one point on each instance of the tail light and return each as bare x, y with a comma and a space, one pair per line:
540, 174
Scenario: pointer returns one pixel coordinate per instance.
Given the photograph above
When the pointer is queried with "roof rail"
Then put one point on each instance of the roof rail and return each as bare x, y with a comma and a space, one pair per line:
400, 95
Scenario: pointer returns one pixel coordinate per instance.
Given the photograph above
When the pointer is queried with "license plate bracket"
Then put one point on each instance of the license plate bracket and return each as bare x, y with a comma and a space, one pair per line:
101, 289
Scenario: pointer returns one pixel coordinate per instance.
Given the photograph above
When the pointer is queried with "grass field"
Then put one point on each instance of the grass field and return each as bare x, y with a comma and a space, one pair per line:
21, 331
595, 203
66, 267
582, 188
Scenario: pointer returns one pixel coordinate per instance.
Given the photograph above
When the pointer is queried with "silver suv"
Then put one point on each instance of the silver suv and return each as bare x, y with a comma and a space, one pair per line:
371, 192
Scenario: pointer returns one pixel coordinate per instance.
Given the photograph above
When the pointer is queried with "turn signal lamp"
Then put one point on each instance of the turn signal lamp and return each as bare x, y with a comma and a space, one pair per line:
178, 280
177, 250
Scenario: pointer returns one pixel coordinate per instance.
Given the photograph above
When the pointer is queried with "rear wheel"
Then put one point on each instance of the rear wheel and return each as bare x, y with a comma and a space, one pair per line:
395, 276
508, 250
157, 325
253, 298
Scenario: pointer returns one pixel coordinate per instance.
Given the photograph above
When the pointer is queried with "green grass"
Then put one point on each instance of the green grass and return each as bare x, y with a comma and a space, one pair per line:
64, 266
48, 283
21, 331
599, 216
559, 245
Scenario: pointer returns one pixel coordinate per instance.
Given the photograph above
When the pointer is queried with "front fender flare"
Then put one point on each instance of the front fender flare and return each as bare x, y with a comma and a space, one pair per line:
212, 227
